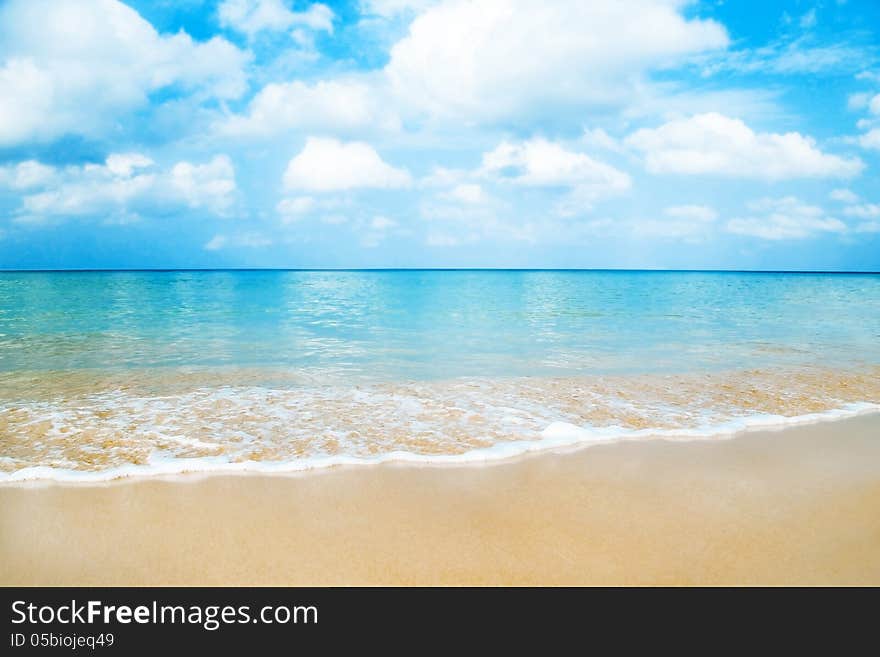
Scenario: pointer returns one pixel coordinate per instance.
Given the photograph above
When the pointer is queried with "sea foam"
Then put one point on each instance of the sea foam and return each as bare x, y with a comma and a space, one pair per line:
556, 436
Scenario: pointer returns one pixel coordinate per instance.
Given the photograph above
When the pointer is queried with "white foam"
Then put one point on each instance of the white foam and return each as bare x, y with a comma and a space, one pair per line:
555, 436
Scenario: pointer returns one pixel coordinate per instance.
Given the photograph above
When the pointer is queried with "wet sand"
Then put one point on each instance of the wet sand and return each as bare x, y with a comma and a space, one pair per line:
799, 506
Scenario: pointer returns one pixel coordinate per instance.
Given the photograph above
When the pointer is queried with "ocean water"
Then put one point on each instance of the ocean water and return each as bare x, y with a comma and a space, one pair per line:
104, 374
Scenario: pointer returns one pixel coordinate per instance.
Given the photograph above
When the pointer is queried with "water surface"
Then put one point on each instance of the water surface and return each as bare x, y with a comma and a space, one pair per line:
107, 370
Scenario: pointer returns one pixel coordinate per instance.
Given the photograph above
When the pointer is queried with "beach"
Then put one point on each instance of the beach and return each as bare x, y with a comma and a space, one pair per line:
795, 506
439, 427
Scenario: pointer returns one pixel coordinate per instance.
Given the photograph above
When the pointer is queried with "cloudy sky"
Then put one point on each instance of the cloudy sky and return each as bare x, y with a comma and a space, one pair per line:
440, 133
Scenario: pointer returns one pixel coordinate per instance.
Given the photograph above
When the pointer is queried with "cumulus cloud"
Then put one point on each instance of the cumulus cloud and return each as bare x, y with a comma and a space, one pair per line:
210, 185
498, 58
864, 100
297, 208
460, 202
77, 66
326, 165
254, 16
871, 139
843, 195
121, 189
573, 180
785, 218
542, 163
123, 164
340, 105
870, 102
716, 144
26, 175
467, 193
863, 211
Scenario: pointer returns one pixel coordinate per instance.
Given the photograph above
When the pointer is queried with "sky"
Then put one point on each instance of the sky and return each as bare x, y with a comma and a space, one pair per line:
440, 133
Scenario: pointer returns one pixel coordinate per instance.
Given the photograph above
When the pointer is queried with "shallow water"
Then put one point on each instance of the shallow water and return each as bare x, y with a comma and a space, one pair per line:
123, 372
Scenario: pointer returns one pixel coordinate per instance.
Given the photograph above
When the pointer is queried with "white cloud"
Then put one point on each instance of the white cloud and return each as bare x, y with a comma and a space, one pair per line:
716, 144
294, 209
467, 193
696, 213
382, 223
690, 223
460, 202
124, 187
254, 16
843, 195
123, 164
537, 164
445, 177
327, 104
326, 165
498, 58
297, 208
542, 163
215, 243
76, 66
788, 56
863, 211
377, 230
784, 219
598, 138
91, 192
871, 139
245, 240
443, 240
26, 175
857, 101
210, 185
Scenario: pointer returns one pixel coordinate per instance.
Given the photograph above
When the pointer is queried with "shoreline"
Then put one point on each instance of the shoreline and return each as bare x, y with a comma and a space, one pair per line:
559, 437
799, 505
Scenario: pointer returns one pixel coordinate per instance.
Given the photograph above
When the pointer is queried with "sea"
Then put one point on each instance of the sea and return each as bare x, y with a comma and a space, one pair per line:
110, 374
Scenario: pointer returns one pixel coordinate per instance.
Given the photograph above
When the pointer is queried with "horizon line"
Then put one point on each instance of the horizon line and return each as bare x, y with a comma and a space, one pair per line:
84, 270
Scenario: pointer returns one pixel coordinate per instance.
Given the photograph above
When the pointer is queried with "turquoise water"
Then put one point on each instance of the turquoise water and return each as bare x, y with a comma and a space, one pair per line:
394, 325
106, 374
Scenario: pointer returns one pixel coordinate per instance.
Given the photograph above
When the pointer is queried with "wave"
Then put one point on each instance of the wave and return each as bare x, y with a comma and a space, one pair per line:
556, 436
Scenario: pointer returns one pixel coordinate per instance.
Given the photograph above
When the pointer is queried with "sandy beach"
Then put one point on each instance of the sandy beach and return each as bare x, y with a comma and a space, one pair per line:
798, 506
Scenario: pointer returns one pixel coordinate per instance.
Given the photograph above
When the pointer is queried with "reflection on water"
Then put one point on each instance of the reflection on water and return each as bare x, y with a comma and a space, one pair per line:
424, 325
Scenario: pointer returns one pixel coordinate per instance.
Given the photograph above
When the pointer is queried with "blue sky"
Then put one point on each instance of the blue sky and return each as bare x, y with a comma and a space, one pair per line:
440, 133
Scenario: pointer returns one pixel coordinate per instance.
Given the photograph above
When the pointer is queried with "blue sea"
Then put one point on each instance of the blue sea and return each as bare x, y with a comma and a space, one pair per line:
107, 374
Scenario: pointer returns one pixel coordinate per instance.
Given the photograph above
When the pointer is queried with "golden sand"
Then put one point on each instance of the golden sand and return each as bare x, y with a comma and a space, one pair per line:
800, 506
